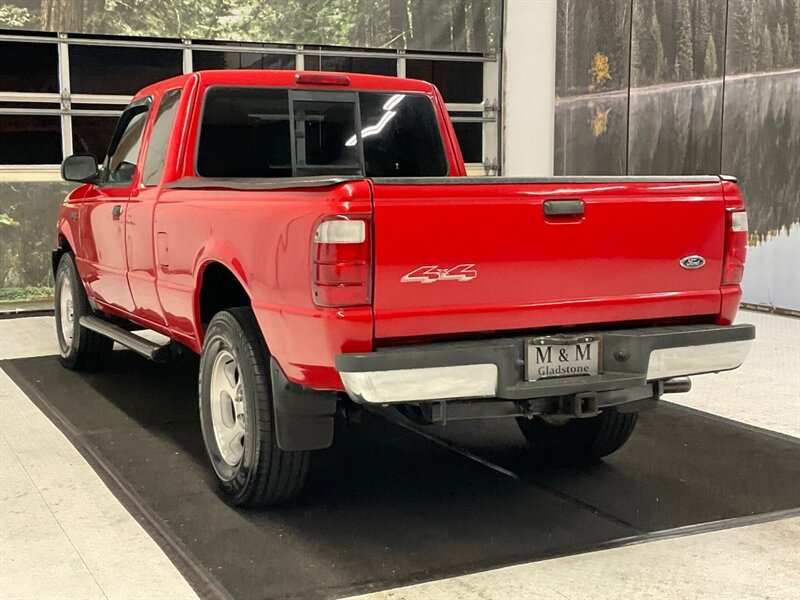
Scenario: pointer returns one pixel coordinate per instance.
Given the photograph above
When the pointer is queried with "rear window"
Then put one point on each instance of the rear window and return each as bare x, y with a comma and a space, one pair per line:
401, 136
245, 133
268, 132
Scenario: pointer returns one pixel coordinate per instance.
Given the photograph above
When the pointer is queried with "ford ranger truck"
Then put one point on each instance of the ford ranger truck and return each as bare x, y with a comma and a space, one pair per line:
315, 239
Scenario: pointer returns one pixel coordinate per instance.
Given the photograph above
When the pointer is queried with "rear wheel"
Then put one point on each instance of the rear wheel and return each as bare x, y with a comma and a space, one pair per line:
577, 440
79, 348
236, 415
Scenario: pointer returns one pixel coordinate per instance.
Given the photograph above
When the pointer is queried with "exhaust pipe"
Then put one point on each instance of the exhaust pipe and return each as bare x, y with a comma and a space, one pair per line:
677, 385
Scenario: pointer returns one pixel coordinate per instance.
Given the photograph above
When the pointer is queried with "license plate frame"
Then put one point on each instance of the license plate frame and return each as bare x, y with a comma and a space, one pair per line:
562, 356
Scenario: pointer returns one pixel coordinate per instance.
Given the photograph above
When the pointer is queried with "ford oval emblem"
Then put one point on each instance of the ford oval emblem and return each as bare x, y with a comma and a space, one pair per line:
693, 262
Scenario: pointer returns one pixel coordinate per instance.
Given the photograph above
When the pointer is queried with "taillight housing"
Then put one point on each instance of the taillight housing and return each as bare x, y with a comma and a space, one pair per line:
735, 235
341, 261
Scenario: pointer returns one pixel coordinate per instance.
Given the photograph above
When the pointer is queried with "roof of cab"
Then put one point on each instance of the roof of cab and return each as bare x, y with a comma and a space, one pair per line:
273, 78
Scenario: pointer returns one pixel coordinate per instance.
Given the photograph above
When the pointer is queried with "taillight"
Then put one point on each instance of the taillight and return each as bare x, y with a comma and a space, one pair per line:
341, 269
735, 246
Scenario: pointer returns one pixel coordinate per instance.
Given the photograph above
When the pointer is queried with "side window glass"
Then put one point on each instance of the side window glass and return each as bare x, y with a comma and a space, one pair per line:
159, 138
124, 151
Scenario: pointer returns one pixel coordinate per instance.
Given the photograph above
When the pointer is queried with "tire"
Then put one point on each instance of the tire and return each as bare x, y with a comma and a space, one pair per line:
579, 440
236, 415
79, 348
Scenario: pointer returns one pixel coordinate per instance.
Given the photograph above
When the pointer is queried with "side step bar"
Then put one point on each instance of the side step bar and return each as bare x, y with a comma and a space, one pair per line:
138, 344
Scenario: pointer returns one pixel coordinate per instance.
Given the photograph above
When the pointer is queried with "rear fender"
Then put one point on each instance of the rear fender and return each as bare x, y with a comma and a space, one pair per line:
222, 252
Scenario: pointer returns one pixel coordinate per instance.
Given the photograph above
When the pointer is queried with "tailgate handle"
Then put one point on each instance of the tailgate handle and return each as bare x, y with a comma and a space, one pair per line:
563, 208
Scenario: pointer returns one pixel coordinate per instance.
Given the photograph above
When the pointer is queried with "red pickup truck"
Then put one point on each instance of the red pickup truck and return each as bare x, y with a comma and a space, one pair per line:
315, 238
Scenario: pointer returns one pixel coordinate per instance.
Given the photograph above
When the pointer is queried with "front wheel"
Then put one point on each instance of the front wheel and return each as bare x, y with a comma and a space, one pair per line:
236, 415
578, 440
79, 348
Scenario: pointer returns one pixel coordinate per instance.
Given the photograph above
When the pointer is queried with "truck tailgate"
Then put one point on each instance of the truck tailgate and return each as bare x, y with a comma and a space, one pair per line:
471, 255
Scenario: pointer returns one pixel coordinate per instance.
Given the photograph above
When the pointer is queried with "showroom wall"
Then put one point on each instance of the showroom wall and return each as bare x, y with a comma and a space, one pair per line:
648, 87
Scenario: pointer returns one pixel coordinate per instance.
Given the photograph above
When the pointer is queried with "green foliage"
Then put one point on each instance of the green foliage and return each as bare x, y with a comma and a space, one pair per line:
7, 221
28, 214
671, 39
26, 294
14, 16
428, 24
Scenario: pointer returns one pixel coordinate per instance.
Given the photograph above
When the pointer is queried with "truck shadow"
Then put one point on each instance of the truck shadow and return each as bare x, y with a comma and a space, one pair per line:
385, 506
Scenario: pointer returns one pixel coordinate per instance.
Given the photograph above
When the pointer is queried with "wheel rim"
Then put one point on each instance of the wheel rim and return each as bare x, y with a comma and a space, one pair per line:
227, 408
66, 312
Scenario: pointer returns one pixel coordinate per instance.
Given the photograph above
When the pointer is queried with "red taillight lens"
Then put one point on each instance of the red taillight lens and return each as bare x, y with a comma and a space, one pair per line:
341, 269
735, 246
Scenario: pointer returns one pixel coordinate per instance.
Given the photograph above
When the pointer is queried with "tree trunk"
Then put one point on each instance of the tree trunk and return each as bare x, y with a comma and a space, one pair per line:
398, 23
61, 16
460, 25
480, 37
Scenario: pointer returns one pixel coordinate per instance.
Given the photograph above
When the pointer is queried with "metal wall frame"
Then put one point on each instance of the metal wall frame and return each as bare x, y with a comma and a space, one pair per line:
487, 112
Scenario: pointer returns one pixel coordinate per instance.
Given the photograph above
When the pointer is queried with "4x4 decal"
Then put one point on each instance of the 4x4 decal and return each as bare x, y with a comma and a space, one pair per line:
433, 273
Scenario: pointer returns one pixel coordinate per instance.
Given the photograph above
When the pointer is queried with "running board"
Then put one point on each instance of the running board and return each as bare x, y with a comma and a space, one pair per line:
138, 344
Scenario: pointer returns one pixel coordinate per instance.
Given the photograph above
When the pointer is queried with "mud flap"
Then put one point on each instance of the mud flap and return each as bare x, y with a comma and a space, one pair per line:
304, 418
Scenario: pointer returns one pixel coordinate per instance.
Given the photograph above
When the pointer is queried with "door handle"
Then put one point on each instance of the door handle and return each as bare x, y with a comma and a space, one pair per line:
116, 211
563, 208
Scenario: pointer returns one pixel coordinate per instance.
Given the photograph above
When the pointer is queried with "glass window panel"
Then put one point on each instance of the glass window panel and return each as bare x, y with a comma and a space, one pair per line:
91, 135
159, 138
401, 136
27, 67
30, 140
120, 70
458, 81
371, 66
207, 60
245, 133
470, 139
325, 136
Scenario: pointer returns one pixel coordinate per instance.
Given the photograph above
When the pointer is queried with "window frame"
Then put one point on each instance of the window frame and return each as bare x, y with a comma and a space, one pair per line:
304, 95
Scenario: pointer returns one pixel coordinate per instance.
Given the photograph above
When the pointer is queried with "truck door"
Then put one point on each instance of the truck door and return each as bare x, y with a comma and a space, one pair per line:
139, 215
102, 215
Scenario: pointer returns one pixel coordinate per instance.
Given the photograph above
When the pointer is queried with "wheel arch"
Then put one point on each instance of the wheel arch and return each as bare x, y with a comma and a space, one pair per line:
63, 245
218, 287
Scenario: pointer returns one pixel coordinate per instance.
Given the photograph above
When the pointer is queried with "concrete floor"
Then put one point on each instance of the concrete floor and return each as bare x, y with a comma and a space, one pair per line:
64, 535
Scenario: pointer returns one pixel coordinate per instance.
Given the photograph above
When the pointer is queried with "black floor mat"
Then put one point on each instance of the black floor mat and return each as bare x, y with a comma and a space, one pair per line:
386, 507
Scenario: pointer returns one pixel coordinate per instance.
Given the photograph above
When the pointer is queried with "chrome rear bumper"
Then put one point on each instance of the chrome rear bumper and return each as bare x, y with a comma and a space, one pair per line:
495, 368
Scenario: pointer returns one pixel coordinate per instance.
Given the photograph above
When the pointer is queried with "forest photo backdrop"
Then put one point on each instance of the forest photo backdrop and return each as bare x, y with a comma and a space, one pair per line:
670, 87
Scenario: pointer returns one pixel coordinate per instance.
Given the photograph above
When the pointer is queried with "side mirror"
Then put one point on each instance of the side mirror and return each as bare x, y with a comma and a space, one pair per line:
81, 168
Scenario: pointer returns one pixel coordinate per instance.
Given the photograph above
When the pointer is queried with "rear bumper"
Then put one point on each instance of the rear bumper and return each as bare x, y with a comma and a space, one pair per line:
630, 358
